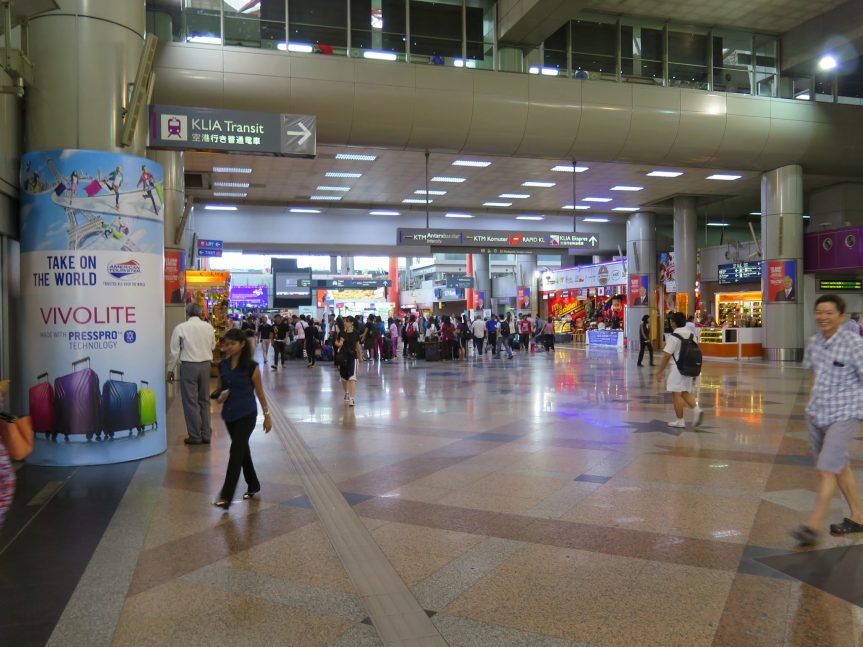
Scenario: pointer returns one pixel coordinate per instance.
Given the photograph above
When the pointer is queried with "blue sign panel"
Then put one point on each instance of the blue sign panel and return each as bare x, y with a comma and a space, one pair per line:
604, 337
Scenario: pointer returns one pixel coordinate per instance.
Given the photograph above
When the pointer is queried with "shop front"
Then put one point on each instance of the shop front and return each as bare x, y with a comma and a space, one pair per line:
734, 323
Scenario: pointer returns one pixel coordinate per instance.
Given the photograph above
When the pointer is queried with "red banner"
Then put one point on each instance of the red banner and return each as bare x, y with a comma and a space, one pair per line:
175, 275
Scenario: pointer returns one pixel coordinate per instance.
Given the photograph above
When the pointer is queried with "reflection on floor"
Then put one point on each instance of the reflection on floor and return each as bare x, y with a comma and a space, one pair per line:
539, 501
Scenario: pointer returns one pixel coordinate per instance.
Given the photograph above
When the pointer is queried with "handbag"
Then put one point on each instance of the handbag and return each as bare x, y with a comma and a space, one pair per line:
17, 435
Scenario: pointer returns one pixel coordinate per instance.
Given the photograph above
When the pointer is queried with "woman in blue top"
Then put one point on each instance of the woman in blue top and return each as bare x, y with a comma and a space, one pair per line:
240, 382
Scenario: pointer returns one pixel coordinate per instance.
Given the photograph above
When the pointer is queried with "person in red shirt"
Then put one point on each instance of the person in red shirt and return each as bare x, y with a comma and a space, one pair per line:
524, 330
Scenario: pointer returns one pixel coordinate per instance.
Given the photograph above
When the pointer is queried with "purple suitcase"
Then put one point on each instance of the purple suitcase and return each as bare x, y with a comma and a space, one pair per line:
41, 399
76, 402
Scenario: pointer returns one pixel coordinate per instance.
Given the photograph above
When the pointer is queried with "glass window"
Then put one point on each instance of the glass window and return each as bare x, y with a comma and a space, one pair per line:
255, 23
554, 50
202, 23
436, 29
732, 61
165, 19
321, 23
480, 29
593, 45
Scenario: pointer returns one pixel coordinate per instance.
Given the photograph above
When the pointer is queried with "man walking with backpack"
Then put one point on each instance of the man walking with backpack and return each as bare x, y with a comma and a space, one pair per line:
504, 332
683, 355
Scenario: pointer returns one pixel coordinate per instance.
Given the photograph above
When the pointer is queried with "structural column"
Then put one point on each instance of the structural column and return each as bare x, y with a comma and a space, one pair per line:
334, 264
468, 293
394, 282
526, 278
347, 265
482, 277
641, 271
782, 250
685, 251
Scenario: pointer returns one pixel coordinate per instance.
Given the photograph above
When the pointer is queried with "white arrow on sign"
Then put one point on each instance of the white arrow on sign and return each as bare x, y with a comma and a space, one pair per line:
592, 240
304, 133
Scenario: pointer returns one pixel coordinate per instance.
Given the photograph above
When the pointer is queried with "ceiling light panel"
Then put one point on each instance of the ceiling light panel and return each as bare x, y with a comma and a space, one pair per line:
473, 163
725, 177
417, 201
541, 185
343, 189
515, 196
497, 204
344, 174
451, 180
576, 207
623, 187
594, 220
458, 215
382, 212
355, 157
303, 210
229, 194
569, 168
665, 173
232, 185
231, 169
597, 199
718, 224
219, 207
530, 217
429, 192
630, 209
322, 198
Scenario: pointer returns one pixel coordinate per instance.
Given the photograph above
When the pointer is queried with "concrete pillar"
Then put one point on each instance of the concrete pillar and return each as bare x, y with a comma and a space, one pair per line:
347, 265
782, 240
685, 250
596, 259
334, 264
394, 281
86, 55
525, 276
641, 261
468, 293
482, 277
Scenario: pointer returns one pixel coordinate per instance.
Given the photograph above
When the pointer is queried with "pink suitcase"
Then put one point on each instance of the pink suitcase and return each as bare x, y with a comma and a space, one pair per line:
41, 398
93, 188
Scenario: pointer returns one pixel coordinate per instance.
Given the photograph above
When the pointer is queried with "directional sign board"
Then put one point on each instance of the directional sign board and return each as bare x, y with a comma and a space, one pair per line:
236, 131
209, 247
736, 273
507, 240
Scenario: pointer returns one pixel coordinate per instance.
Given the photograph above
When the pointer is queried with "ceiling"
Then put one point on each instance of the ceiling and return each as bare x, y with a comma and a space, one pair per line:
395, 175
770, 16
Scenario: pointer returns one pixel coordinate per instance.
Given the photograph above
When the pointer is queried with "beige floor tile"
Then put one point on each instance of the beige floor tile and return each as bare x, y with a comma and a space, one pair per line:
527, 487
490, 502
699, 471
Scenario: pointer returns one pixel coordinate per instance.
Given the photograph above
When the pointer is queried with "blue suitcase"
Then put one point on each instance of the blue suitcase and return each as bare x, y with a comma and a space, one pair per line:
327, 353
119, 405
77, 402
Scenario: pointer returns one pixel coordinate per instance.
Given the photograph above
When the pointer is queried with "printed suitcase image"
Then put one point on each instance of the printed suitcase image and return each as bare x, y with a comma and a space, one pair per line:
41, 399
146, 408
77, 402
119, 405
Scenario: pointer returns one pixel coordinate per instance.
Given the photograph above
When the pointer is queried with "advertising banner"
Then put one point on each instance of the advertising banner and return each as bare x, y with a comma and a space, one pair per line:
523, 298
639, 286
249, 296
496, 239
92, 312
605, 338
781, 280
667, 276
175, 276
585, 276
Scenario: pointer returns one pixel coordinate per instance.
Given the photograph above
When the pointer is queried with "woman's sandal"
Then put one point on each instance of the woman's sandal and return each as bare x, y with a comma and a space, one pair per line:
221, 503
250, 495
805, 536
846, 527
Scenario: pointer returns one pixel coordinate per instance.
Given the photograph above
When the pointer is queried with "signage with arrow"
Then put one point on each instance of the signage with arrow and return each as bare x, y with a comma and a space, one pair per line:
298, 135
497, 240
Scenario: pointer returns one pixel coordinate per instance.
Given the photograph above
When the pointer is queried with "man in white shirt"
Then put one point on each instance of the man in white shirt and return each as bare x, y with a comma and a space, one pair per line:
680, 386
479, 332
690, 324
192, 344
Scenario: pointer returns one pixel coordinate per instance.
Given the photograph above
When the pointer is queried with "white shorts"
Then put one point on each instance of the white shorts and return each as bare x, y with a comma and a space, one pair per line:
677, 383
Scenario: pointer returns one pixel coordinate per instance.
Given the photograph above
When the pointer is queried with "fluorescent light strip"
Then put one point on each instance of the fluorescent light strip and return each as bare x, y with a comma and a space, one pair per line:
568, 168
726, 177
303, 210
321, 198
384, 213
379, 56
356, 157
458, 215
514, 196
755, 213
295, 47
497, 204
429, 192
342, 174
343, 189
597, 199
233, 185
230, 169
718, 224
229, 194
665, 173
474, 163
416, 201
545, 71
626, 209
451, 180
219, 207
205, 40
577, 207
594, 220
542, 185
530, 217
621, 187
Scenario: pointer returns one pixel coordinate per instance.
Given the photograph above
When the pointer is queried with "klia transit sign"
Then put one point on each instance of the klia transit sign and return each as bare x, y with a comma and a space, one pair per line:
509, 240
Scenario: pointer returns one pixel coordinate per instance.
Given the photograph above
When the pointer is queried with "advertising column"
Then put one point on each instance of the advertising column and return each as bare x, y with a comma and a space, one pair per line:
92, 295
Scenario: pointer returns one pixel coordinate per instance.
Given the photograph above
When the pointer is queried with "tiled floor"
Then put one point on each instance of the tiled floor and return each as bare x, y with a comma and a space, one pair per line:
535, 502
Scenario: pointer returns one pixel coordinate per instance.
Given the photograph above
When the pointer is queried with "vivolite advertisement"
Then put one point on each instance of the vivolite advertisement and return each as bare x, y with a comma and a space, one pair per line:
93, 317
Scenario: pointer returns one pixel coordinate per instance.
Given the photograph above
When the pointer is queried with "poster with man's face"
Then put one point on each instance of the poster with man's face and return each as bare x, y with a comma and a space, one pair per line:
780, 280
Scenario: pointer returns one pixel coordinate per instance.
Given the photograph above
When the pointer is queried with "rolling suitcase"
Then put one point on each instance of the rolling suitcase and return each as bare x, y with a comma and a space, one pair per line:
119, 405
432, 351
77, 400
93, 188
146, 407
327, 353
41, 399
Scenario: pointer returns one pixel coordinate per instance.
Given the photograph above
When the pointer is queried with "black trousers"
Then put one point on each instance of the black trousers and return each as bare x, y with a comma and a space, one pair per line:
278, 352
240, 457
492, 343
477, 344
645, 343
311, 350
549, 341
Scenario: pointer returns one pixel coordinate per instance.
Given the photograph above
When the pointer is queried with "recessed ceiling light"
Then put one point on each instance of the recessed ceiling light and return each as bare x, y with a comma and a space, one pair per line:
205, 40
597, 199
343, 189
304, 210
229, 194
497, 204
626, 209
296, 47
384, 213
230, 169
806, 216
356, 157
545, 71
755, 213
429, 192
543, 185
569, 168
529, 217
380, 56
233, 185
325, 197
577, 207
827, 63
219, 207
592, 219
458, 215
417, 201
518, 196
718, 224
474, 163
665, 173
724, 176
342, 174
622, 187
452, 180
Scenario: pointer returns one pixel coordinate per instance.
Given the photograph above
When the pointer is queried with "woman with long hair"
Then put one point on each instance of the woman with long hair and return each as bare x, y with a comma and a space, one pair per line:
239, 383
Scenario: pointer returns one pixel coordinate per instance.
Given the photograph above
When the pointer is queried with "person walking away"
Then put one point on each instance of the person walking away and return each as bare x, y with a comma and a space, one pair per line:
479, 334
192, 345
265, 330
833, 416
394, 335
549, 334
524, 330
412, 336
379, 338
449, 348
239, 383
313, 336
504, 333
368, 338
491, 327
279, 338
464, 335
644, 340
538, 330
680, 386
348, 353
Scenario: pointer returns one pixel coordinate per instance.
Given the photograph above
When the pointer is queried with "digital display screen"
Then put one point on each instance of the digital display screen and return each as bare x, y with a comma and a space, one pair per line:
736, 273
293, 285
833, 285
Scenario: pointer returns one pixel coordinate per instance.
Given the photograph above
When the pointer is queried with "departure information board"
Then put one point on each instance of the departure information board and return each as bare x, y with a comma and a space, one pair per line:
736, 273
835, 285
